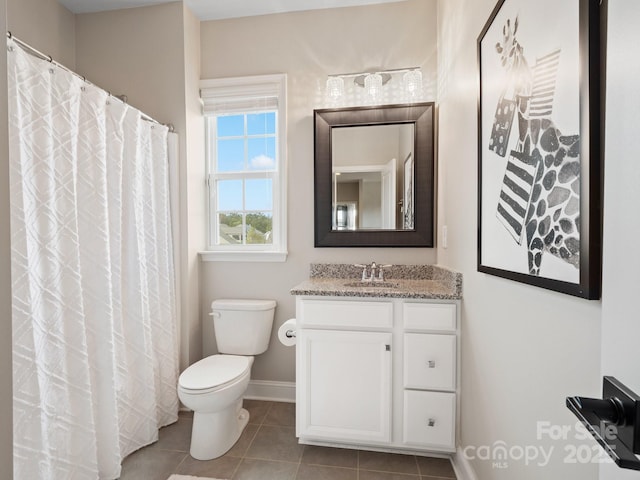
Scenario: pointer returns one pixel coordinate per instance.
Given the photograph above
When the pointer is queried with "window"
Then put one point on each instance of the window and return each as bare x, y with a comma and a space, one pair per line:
246, 167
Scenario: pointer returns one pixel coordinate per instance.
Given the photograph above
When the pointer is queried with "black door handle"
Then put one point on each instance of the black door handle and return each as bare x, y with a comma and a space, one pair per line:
620, 409
609, 410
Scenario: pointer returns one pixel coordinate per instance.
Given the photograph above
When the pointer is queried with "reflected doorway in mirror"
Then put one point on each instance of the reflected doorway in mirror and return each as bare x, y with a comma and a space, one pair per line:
407, 200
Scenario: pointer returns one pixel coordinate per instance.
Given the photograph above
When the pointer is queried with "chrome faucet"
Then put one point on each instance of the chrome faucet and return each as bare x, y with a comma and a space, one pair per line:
364, 272
371, 277
380, 277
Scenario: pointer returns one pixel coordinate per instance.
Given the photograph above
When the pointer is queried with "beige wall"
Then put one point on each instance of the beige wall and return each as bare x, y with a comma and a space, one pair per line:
151, 55
307, 46
524, 349
138, 52
46, 26
6, 397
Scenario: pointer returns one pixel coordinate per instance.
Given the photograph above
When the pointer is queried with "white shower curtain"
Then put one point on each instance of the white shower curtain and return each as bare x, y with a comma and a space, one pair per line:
95, 336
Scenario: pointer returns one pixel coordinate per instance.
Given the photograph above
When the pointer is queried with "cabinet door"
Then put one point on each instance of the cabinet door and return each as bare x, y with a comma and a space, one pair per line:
344, 385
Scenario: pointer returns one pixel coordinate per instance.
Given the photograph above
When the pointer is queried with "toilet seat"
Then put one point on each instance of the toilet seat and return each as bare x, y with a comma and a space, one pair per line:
214, 372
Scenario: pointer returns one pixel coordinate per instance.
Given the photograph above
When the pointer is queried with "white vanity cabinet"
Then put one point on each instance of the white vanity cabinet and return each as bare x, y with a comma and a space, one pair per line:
378, 372
344, 370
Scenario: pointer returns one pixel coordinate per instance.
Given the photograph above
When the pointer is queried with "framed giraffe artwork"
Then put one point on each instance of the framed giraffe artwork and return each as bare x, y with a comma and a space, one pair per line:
540, 144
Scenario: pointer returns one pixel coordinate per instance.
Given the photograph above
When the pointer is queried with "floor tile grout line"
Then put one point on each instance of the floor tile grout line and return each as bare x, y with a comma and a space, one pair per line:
251, 441
182, 461
299, 463
332, 466
391, 472
235, 470
266, 414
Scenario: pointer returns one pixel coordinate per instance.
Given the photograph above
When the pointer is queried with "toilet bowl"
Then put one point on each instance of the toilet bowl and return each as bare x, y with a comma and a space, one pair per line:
213, 387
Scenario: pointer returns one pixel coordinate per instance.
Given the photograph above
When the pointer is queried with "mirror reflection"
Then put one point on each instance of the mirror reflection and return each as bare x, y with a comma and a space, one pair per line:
372, 177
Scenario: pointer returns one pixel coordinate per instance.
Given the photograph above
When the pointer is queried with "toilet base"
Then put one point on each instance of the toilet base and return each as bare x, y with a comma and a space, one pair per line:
214, 434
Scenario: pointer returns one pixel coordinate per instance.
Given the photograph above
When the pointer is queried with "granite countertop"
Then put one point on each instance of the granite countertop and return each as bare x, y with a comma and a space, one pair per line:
401, 281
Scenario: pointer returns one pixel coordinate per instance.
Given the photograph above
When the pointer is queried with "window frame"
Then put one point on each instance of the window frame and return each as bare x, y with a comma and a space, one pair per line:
247, 95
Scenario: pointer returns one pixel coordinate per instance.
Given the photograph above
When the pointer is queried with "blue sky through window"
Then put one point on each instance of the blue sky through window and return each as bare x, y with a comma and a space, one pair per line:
259, 195
229, 195
231, 155
262, 153
245, 142
230, 126
261, 123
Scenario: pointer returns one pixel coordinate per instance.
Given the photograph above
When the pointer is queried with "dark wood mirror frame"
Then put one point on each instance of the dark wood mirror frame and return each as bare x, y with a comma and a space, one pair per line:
422, 116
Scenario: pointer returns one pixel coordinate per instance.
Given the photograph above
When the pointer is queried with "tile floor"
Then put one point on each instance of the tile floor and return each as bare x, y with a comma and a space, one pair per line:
268, 450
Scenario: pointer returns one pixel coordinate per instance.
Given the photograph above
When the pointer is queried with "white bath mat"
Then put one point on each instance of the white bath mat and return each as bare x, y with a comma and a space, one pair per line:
190, 477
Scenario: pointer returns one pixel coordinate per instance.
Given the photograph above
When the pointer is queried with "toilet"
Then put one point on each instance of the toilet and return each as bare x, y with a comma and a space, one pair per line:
214, 386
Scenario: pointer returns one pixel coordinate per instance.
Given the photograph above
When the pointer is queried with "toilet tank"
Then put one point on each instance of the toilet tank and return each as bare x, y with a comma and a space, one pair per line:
242, 327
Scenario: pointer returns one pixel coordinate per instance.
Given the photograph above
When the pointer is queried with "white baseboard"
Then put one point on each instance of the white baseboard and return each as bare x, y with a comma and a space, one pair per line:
272, 391
462, 466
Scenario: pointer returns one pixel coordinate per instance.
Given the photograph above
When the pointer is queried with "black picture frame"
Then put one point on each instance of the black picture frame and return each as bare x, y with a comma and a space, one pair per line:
422, 115
539, 186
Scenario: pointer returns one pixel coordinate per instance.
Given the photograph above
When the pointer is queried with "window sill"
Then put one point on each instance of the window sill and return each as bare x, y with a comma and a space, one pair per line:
219, 256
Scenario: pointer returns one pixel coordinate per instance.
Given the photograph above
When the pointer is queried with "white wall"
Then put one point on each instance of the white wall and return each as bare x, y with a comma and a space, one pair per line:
151, 54
308, 46
524, 349
6, 396
621, 262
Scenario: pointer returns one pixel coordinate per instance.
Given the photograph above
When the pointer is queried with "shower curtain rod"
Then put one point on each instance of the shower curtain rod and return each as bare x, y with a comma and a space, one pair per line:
121, 98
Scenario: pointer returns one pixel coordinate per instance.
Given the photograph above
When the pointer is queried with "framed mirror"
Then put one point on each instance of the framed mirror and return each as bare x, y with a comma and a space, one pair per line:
374, 176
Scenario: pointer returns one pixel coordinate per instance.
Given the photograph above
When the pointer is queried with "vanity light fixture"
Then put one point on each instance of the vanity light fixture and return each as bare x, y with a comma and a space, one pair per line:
373, 82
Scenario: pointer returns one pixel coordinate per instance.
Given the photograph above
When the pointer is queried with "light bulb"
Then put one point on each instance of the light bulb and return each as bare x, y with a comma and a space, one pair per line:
373, 84
335, 87
413, 82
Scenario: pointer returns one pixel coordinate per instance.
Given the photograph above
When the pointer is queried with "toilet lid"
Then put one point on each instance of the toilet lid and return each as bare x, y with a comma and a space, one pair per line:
214, 371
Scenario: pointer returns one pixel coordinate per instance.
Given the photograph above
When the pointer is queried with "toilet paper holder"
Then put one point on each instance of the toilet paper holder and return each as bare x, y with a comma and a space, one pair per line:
287, 333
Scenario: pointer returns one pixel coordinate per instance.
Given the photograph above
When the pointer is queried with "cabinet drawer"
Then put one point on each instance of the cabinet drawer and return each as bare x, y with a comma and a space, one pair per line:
429, 419
429, 361
429, 316
352, 314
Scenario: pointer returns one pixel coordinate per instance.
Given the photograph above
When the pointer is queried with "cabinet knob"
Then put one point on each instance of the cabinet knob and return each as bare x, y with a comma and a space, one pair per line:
431, 363
432, 422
